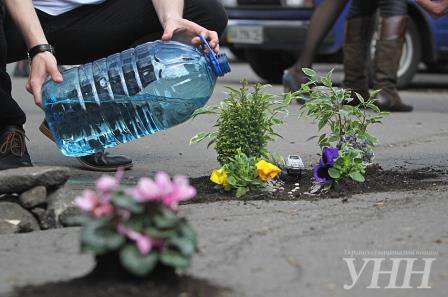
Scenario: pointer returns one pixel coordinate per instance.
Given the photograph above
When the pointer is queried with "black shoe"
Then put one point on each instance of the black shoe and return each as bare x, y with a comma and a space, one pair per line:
100, 161
13, 151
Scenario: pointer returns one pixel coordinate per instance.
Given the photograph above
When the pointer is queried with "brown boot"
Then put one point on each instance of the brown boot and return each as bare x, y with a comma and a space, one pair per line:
387, 60
358, 36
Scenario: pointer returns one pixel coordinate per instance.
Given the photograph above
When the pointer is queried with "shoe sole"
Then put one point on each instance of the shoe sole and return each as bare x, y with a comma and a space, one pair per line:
45, 131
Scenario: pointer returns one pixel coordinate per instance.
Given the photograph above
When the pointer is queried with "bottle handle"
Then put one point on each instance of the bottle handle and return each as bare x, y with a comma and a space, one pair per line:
211, 55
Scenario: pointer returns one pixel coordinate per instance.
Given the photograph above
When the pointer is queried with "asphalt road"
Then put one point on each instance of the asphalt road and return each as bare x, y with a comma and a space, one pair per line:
273, 248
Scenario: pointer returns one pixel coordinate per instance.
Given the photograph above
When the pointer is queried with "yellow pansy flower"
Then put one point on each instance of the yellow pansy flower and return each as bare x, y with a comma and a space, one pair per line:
266, 170
219, 177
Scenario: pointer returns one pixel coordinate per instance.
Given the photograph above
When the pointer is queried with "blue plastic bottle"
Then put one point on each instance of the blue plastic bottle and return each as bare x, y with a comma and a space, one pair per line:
129, 95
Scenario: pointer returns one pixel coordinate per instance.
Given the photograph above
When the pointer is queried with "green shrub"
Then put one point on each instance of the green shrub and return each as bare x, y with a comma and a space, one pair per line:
344, 125
246, 121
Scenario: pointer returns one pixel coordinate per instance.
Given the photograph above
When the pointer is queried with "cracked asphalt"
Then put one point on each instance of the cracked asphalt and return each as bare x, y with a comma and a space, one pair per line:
261, 248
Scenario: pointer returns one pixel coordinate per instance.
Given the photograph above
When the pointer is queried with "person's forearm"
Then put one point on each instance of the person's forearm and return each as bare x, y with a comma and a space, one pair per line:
172, 9
24, 15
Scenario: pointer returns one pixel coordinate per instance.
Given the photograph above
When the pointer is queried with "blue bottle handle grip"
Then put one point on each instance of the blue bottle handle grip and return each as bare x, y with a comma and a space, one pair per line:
211, 55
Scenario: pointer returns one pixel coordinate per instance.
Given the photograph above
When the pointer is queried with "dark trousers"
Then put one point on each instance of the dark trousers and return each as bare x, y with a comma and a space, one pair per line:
91, 32
388, 8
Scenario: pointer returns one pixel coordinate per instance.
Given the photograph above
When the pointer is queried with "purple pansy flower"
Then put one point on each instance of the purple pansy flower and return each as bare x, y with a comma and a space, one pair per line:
320, 172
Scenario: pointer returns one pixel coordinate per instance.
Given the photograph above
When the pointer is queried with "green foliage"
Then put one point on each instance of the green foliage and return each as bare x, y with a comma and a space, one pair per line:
349, 164
127, 202
341, 124
329, 106
135, 262
242, 173
246, 121
177, 239
98, 236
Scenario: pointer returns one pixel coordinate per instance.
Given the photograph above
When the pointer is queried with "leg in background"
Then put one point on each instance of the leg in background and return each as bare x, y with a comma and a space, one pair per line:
388, 53
322, 21
359, 31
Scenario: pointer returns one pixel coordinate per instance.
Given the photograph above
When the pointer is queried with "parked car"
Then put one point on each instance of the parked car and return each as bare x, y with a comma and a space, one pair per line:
272, 32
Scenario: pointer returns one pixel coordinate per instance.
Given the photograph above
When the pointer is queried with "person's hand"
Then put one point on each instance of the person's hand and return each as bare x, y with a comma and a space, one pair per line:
190, 31
43, 65
437, 8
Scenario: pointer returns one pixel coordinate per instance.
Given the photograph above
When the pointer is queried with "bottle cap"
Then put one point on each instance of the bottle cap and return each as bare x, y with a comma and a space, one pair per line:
220, 63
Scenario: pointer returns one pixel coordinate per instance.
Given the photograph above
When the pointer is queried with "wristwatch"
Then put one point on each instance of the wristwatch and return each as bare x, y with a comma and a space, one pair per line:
40, 49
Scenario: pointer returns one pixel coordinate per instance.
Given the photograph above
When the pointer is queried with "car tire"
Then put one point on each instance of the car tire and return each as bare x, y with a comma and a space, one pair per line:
410, 58
237, 52
269, 64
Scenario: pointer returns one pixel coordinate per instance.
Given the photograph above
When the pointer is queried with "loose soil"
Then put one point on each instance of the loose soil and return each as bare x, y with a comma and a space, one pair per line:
294, 188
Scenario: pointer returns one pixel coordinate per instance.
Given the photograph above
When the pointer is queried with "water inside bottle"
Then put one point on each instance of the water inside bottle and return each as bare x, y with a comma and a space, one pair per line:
121, 98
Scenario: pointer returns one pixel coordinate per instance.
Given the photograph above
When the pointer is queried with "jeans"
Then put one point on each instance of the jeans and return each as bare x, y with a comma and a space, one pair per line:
91, 32
388, 8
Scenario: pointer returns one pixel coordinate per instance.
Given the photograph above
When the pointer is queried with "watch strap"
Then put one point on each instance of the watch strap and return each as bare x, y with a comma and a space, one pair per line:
40, 49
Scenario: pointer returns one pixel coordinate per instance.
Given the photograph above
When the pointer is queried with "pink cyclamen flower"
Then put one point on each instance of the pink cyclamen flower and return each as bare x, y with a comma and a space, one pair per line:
164, 183
146, 190
181, 191
103, 209
106, 183
90, 202
143, 242
163, 189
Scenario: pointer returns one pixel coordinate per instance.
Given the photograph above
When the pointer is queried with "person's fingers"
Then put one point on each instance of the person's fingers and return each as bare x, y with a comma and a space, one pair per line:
28, 87
196, 40
211, 37
214, 41
168, 32
56, 76
36, 88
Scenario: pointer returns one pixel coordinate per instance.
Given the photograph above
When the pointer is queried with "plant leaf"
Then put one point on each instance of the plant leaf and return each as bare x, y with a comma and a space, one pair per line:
309, 72
128, 203
135, 262
165, 219
186, 246
360, 98
199, 137
334, 173
79, 220
98, 237
174, 259
241, 192
357, 176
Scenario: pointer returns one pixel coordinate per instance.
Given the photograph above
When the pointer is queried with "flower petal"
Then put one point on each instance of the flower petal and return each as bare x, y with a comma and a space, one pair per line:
219, 177
106, 184
164, 183
103, 209
147, 190
119, 174
87, 201
266, 170
321, 174
143, 244
180, 180
329, 155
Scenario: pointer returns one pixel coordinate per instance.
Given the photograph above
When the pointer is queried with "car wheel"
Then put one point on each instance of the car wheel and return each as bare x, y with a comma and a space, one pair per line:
269, 64
410, 57
237, 52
